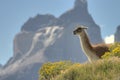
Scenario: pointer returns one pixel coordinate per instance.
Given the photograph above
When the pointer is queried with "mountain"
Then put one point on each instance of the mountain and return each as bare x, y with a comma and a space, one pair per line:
117, 34
45, 38
39, 21
0, 66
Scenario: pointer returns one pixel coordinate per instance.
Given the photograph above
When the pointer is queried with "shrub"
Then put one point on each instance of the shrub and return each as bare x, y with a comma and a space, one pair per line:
114, 51
105, 69
51, 70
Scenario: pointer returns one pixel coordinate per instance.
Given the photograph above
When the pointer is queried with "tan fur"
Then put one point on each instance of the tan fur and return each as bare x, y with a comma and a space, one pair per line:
100, 49
93, 52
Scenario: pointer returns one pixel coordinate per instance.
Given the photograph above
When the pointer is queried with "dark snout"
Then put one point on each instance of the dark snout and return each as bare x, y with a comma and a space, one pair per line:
74, 32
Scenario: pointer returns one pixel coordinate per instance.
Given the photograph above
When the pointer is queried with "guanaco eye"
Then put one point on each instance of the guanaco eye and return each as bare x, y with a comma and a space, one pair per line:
79, 29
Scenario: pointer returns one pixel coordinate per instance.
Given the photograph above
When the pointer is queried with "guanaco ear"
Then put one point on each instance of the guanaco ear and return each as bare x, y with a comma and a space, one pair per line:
82, 26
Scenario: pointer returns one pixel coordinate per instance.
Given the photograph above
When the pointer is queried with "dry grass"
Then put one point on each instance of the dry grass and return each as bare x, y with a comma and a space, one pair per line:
106, 69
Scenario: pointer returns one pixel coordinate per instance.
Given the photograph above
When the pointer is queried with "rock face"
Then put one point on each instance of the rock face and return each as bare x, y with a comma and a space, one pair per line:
117, 34
0, 66
46, 38
39, 21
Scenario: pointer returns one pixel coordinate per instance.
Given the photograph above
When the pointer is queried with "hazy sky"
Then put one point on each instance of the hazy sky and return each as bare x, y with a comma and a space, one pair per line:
13, 14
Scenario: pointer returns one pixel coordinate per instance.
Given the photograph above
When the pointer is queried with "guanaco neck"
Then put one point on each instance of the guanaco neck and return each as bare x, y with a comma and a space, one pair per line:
87, 47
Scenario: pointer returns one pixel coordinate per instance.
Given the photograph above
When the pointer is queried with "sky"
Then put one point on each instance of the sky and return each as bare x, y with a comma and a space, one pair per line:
14, 13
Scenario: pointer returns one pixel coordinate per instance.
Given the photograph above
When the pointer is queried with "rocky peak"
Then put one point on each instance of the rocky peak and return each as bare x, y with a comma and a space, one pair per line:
117, 34
39, 21
0, 65
118, 28
79, 13
80, 4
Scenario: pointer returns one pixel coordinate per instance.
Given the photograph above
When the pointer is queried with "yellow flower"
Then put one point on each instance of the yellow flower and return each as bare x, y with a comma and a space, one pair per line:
114, 51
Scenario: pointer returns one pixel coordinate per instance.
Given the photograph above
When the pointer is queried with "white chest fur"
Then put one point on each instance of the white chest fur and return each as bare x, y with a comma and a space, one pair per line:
87, 48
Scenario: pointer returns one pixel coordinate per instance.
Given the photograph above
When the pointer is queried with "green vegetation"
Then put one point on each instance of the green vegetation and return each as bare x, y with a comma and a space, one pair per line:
50, 70
114, 51
107, 68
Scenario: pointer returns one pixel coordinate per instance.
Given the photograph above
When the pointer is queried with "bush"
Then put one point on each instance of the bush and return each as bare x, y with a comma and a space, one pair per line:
51, 70
114, 51
106, 69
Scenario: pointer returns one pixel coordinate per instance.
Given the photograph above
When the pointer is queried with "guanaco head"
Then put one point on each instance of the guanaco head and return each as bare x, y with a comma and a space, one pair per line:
79, 30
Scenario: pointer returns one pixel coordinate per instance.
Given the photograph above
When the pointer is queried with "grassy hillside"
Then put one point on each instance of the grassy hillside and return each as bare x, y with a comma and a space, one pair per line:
99, 70
107, 68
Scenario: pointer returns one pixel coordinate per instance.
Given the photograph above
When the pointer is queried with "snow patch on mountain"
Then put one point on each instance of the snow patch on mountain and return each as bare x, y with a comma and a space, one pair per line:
43, 38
